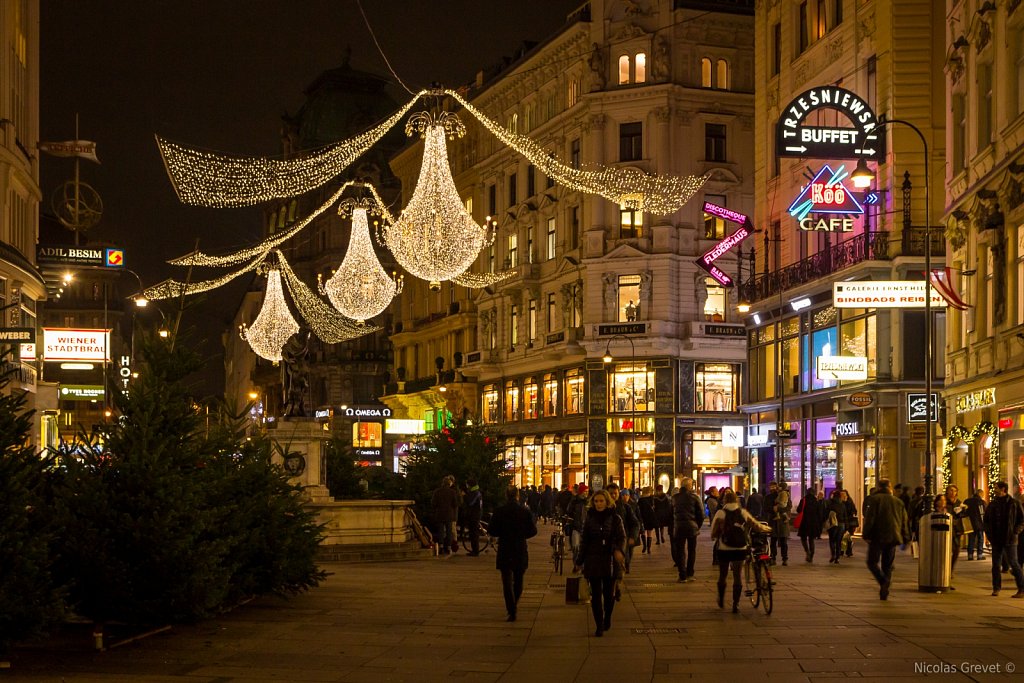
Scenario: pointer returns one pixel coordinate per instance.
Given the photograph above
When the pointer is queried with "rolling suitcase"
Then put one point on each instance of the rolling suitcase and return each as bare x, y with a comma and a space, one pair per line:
577, 590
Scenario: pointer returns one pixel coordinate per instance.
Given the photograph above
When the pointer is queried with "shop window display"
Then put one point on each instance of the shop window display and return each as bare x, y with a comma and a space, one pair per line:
550, 397
632, 389
531, 399
489, 400
574, 392
715, 385
511, 401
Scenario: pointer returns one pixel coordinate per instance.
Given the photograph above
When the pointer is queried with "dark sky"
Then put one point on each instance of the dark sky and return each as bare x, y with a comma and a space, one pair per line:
219, 74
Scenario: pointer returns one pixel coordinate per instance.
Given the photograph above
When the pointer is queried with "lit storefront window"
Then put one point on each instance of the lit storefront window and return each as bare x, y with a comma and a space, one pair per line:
530, 399
715, 385
574, 392
367, 435
551, 462
577, 450
632, 388
628, 305
857, 338
550, 394
489, 407
530, 461
511, 401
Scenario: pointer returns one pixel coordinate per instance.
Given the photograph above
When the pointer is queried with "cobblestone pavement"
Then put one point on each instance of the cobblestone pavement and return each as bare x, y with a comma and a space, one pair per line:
443, 619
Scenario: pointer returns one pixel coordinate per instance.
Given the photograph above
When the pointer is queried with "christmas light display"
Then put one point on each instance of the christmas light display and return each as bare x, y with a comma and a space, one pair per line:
360, 288
275, 325
326, 323
481, 280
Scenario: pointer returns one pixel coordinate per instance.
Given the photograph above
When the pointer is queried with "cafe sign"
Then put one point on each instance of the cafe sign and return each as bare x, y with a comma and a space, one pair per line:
860, 139
976, 400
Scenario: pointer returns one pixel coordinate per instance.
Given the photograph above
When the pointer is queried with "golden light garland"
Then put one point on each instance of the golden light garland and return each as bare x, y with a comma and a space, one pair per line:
360, 288
207, 178
658, 194
274, 326
435, 238
326, 323
481, 280
168, 289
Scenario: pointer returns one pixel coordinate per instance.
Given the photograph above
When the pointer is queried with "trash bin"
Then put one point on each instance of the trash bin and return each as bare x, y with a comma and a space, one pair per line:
935, 538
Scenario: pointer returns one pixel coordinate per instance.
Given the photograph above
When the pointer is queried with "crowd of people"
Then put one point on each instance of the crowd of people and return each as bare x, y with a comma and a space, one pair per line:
604, 528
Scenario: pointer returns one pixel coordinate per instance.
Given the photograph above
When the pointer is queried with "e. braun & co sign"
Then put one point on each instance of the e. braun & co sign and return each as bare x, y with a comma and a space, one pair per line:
795, 139
95, 257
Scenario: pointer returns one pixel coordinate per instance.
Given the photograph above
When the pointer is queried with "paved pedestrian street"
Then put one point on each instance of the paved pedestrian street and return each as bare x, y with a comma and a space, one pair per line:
443, 619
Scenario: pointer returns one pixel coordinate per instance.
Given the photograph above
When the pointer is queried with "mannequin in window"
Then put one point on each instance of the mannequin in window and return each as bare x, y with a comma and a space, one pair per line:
630, 312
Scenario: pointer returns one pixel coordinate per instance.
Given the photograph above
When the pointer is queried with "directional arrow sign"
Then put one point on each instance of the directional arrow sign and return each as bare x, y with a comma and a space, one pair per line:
858, 137
707, 261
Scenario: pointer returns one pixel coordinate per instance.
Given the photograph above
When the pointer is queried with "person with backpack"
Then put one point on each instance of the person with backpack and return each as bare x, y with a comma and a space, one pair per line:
473, 507
730, 527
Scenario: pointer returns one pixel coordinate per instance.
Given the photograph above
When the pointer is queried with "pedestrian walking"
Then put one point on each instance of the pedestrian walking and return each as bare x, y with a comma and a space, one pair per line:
1004, 522
512, 524
563, 499
852, 523
730, 528
711, 505
630, 522
445, 506
976, 516
473, 507
835, 524
755, 504
811, 512
602, 546
956, 508
780, 513
647, 517
688, 518
885, 527
663, 511
547, 503
578, 511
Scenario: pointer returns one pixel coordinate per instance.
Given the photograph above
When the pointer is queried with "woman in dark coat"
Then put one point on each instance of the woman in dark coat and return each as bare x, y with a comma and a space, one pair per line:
512, 524
601, 552
647, 516
836, 506
812, 517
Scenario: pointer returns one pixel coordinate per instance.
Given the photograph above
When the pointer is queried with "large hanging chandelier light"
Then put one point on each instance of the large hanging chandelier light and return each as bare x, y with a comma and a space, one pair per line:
435, 238
327, 324
274, 326
360, 288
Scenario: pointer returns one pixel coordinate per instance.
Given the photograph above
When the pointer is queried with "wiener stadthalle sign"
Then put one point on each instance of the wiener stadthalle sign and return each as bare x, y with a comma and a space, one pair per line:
859, 137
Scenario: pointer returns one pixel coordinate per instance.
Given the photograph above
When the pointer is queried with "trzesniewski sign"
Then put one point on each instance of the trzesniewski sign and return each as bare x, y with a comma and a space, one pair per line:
883, 294
842, 367
83, 345
94, 257
861, 139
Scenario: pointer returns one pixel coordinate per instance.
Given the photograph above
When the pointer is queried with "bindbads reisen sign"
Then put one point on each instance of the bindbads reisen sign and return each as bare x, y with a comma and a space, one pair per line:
861, 138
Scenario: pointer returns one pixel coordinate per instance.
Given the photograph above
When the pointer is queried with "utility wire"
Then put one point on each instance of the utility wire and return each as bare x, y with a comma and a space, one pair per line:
379, 49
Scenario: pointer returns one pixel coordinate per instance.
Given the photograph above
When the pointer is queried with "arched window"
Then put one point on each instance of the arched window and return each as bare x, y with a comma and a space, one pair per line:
623, 69
722, 75
640, 67
513, 123
705, 73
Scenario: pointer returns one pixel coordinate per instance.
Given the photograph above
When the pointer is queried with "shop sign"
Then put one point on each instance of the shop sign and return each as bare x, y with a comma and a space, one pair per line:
27, 351
104, 257
727, 214
732, 436
367, 411
917, 407
842, 367
720, 330
71, 345
826, 194
785, 434
758, 435
707, 261
860, 399
847, 428
621, 328
395, 426
22, 335
975, 400
861, 140
883, 294
368, 453
324, 413
81, 392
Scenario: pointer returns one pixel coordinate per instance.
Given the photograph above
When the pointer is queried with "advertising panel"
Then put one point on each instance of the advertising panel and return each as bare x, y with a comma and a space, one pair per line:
71, 344
883, 294
842, 367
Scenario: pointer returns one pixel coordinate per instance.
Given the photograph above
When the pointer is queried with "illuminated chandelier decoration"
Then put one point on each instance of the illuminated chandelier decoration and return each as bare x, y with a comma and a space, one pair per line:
435, 238
360, 288
274, 326
657, 194
205, 178
326, 323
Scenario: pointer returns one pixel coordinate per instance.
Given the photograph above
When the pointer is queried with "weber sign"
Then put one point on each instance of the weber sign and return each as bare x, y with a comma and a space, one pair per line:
861, 139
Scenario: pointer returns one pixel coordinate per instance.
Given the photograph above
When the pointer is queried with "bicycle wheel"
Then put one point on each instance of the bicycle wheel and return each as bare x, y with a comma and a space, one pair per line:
486, 541
464, 537
753, 571
557, 557
765, 589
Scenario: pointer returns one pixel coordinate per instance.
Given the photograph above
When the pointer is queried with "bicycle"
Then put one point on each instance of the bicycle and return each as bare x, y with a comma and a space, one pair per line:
558, 539
485, 542
758, 572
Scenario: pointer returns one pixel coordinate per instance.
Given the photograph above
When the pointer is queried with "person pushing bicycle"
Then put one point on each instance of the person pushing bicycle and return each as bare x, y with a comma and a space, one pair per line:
731, 528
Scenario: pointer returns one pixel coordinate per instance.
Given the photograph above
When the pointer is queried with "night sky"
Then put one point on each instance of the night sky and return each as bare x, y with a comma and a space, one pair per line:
219, 75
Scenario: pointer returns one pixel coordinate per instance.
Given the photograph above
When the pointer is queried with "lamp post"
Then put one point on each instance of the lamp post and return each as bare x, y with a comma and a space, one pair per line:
862, 177
607, 358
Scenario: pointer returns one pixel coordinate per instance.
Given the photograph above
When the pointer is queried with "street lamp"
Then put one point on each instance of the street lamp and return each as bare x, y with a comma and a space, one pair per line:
861, 178
607, 358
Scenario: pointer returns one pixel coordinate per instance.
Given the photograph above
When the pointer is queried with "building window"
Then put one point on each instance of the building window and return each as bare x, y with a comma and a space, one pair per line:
631, 222
574, 93
550, 398
802, 28
1018, 76
714, 305
959, 134
492, 200
990, 281
489, 404
491, 252
820, 27
531, 322
552, 236
628, 305
574, 392
574, 154
531, 180
640, 67
857, 337
552, 314
715, 385
722, 75
513, 189
623, 69
511, 401
1020, 275
837, 12
632, 388
714, 227
513, 123
714, 142
705, 73
631, 147
776, 47
513, 250
984, 106
530, 399
577, 450
513, 326
530, 256
574, 227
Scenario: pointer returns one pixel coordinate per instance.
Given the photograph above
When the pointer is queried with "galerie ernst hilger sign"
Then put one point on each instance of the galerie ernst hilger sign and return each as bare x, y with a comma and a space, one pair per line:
883, 294
862, 140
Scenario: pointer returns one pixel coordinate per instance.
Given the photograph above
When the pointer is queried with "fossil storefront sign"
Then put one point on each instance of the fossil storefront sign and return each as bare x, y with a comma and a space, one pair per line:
965, 403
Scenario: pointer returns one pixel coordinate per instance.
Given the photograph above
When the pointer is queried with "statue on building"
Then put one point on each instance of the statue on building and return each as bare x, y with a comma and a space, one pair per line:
661, 70
700, 289
631, 309
595, 77
295, 366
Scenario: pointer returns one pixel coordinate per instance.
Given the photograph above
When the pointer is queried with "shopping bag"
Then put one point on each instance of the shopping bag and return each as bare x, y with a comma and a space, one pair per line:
915, 550
968, 527
577, 590
845, 543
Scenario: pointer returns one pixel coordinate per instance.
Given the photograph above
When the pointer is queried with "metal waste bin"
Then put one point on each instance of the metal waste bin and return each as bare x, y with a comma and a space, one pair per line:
934, 566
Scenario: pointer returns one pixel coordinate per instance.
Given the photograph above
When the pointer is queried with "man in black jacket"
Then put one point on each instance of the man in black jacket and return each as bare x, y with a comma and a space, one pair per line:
512, 524
688, 517
1004, 521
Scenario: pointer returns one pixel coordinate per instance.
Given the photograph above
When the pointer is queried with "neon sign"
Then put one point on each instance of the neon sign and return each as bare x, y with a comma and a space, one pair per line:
727, 214
826, 193
707, 261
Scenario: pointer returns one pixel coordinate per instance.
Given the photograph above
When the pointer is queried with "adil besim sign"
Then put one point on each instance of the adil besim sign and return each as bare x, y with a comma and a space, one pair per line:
71, 344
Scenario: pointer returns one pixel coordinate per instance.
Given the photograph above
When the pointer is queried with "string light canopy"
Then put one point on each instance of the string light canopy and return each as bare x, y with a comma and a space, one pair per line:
274, 326
168, 289
435, 238
360, 288
481, 280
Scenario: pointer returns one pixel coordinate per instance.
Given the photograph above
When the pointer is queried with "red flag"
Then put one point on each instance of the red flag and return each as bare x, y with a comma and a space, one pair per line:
942, 281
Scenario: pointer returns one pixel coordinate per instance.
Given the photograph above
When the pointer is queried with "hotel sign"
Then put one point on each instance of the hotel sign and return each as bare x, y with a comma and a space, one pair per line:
976, 400
861, 139
883, 294
842, 367
75, 345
